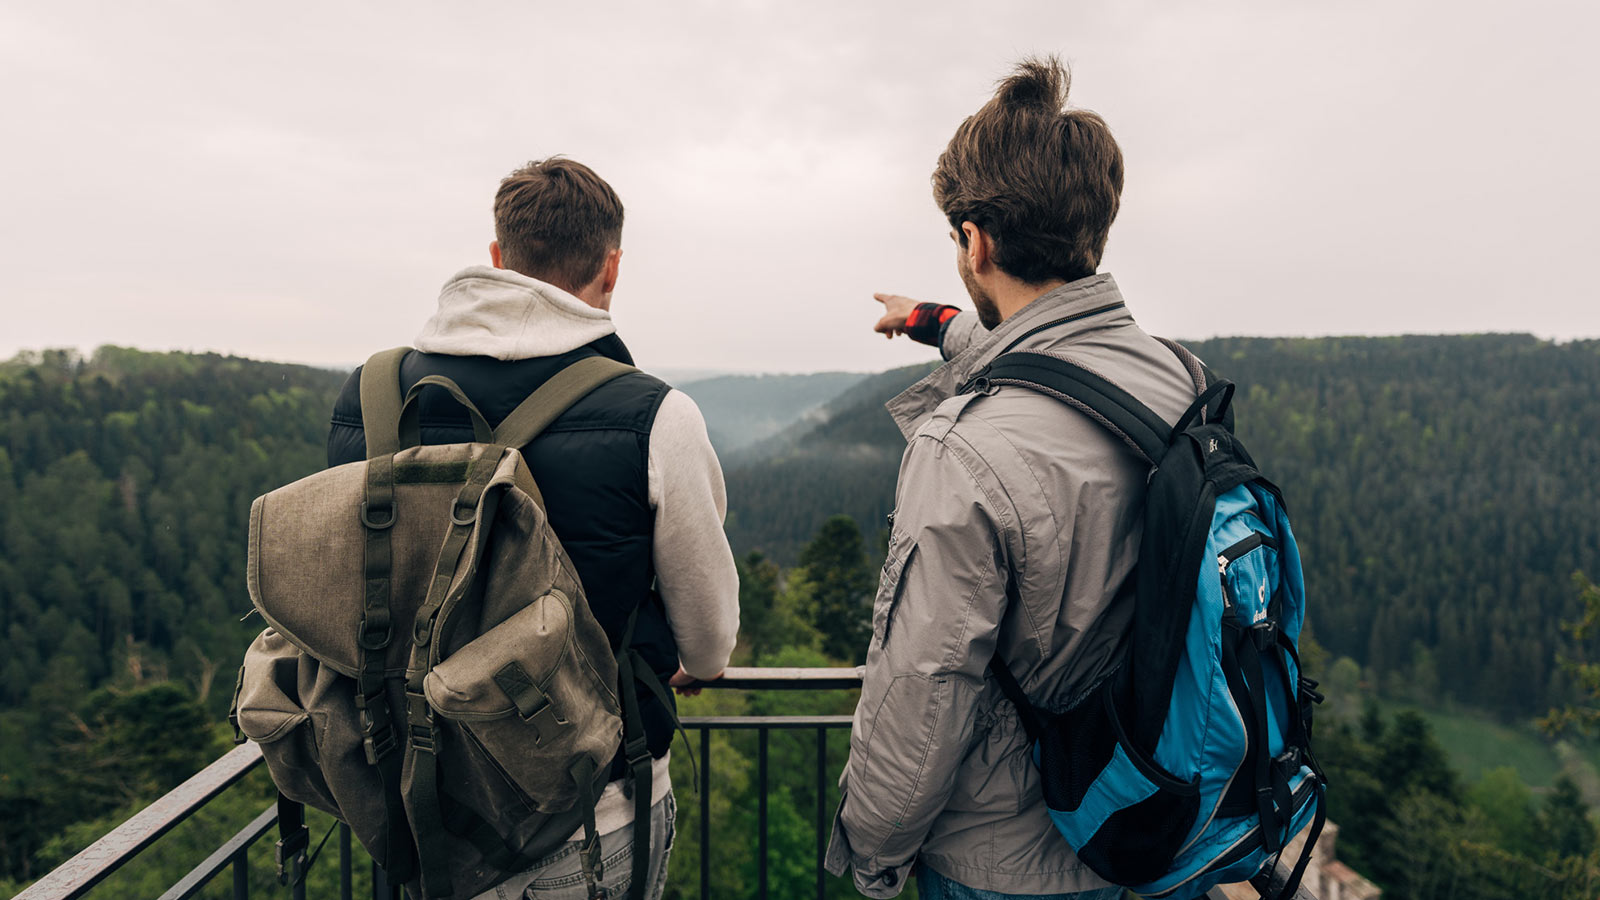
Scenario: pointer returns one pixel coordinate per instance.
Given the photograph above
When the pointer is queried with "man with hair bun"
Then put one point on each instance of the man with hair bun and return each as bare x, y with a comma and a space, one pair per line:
1017, 519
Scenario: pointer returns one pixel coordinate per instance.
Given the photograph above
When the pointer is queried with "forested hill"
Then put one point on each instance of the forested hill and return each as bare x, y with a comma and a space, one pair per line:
125, 489
1444, 490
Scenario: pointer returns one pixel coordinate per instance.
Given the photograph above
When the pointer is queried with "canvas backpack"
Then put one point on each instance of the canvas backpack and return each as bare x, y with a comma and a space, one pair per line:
1191, 766
432, 674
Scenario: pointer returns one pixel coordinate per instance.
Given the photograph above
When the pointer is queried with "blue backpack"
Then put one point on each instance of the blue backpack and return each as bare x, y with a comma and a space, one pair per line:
1192, 765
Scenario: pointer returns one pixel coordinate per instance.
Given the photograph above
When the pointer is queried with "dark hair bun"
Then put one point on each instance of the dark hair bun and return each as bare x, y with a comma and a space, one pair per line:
1038, 83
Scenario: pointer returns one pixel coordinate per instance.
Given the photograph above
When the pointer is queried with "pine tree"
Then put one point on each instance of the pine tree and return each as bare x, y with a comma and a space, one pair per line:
1564, 821
835, 564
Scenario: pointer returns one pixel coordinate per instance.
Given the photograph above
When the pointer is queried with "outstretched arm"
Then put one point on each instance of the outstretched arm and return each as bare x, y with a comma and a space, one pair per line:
935, 324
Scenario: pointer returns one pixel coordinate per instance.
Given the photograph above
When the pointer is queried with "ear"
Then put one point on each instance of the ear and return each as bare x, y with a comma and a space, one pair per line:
608, 272
494, 255
979, 248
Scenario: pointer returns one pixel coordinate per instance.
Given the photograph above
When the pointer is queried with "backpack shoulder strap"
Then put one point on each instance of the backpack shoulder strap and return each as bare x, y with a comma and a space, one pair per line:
381, 401
1090, 393
1204, 379
1197, 369
555, 397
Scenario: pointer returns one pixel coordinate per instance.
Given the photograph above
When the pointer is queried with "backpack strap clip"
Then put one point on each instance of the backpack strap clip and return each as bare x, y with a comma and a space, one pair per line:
293, 840
420, 716
1264, 634
378, 740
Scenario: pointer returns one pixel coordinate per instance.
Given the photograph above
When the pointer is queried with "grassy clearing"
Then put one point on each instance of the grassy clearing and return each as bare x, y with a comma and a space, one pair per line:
1478, 742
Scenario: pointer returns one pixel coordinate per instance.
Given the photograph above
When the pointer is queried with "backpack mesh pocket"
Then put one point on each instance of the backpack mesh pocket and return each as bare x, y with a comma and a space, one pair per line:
1122, 813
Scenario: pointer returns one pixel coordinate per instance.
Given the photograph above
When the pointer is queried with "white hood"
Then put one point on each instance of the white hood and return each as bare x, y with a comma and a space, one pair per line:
484, 311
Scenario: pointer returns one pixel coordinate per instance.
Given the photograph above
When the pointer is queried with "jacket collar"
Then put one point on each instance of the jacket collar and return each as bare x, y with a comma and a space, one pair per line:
484, 311
1069, 310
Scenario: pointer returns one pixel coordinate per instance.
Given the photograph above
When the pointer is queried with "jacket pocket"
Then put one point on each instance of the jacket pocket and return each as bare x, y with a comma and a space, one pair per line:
530, 696
889, 582
271, 714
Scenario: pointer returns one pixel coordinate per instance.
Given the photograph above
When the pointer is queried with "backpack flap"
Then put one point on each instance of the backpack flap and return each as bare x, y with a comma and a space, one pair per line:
306, 570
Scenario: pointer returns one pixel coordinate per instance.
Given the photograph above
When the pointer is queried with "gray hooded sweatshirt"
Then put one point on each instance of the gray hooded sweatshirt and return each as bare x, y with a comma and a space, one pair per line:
1017, 519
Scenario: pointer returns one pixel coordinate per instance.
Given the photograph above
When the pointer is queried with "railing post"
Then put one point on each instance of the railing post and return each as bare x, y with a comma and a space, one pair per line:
346, 879
822, 809
241, 874
705, 814
761, 815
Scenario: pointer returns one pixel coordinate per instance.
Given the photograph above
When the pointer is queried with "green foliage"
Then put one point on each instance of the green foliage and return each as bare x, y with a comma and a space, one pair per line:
773, 619
1565, 822
1406, 823
835, 566
125, 486
1442, 489
1584, 714
1507, 807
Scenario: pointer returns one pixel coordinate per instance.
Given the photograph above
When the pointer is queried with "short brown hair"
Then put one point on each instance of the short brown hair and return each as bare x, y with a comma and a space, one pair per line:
1041, 180
555, 219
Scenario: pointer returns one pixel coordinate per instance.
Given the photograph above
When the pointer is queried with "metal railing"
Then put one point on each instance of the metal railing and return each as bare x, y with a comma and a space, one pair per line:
79, 875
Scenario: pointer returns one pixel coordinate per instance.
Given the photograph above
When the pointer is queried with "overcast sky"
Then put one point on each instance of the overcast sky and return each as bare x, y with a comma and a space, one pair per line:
294, 181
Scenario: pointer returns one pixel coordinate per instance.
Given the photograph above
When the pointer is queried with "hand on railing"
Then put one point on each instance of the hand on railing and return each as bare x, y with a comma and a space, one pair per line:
687, 685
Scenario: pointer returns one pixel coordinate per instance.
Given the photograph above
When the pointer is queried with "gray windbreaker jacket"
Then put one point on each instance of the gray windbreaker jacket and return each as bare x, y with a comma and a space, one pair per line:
1017, 519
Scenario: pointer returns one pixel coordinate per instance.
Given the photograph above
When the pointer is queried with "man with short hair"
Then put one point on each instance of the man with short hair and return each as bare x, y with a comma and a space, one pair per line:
630, 482
1017, 519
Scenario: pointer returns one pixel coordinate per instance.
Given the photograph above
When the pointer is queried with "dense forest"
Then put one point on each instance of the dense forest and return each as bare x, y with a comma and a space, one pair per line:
1442, 489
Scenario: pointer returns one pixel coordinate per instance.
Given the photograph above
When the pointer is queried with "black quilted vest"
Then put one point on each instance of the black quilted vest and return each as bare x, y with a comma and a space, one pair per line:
590, 465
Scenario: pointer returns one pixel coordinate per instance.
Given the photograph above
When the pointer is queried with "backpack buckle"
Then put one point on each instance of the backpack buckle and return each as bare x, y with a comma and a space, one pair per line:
545, 717
1264, 634
379, 745
420, 729
1308, 689
291, 850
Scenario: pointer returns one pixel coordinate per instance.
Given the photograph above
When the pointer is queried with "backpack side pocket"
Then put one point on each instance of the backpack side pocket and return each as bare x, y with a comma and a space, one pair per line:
271, 714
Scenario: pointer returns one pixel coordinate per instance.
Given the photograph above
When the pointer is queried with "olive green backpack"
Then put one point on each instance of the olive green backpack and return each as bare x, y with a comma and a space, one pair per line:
432, 674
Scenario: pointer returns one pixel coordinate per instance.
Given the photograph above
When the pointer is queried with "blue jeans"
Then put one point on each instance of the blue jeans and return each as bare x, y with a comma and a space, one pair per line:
560, 876
933, 886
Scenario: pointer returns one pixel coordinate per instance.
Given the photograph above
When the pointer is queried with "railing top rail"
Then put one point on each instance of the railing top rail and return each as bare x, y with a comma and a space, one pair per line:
77, 875
778, 678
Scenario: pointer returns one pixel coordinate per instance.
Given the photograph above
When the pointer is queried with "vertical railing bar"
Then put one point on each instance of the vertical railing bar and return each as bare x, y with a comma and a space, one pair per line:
241, 874
705, 814
761, 814
300, 876
346, 877
822, 808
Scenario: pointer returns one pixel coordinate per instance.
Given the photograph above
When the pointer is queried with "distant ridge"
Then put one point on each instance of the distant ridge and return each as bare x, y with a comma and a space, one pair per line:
742, 410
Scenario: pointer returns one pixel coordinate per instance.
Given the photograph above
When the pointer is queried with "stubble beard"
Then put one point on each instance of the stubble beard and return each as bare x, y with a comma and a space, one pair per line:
988, 312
